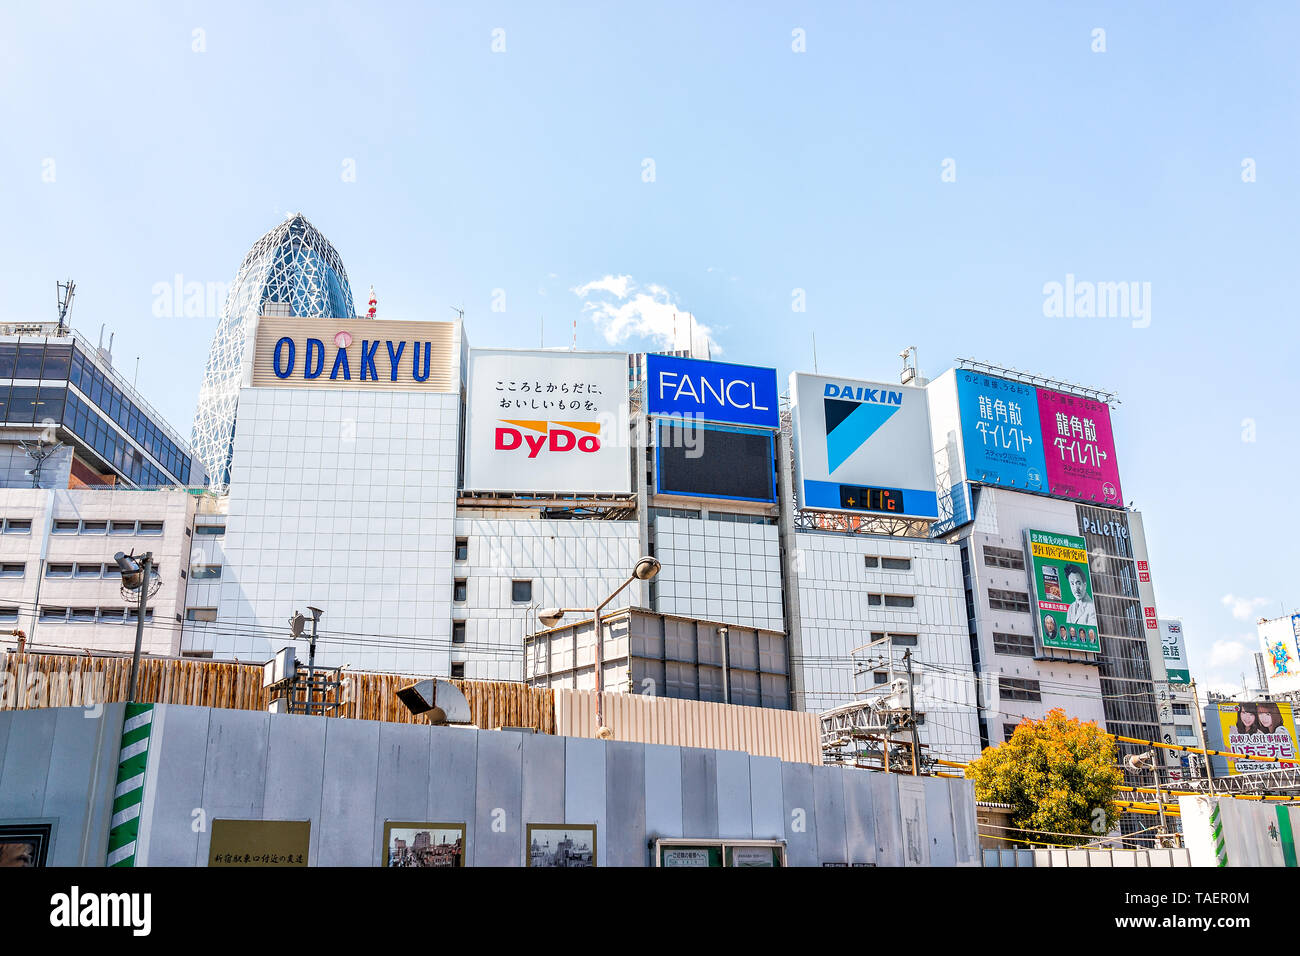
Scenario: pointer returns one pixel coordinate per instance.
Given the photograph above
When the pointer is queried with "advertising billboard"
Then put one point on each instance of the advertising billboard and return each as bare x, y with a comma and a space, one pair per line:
999, 424
1175, 651
711, 391
1066, 615
1079, 448
714, 461
1262, 729
862, 446
301, 352
1036, 439
544, 422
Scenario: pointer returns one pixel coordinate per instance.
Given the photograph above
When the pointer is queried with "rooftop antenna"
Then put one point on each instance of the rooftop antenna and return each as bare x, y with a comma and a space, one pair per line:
135, 382
459, 312
65, 291
39, 451
910, 371
814, 338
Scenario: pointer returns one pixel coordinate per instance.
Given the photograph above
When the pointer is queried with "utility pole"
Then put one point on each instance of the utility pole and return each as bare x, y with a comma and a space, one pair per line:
726, 666
911, 707
138, 569
1200, 733
311, 659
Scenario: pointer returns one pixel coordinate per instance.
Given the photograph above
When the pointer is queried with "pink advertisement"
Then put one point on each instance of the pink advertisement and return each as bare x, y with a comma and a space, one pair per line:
1079, 448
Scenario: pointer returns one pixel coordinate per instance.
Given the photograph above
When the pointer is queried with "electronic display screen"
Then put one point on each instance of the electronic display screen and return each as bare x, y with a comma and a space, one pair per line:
714, 461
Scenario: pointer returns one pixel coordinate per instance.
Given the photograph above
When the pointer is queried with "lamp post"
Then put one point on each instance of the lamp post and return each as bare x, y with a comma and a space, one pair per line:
644, 570
136, 574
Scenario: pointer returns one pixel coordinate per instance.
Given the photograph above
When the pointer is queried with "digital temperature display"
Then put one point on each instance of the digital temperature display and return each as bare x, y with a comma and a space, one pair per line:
859, 498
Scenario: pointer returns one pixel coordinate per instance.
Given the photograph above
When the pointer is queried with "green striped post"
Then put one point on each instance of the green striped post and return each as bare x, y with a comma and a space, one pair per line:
134, 754
1286, 837
1216, 836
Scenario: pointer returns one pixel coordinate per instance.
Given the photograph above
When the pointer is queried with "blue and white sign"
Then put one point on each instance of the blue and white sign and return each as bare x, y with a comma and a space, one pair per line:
712, 391
862, 447
1003, 443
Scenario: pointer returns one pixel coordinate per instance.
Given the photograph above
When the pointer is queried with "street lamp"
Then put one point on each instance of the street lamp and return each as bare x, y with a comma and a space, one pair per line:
137, 575
644, 570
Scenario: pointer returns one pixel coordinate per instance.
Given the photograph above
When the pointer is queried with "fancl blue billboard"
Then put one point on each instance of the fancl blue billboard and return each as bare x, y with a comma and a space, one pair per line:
1003, 439
712, 391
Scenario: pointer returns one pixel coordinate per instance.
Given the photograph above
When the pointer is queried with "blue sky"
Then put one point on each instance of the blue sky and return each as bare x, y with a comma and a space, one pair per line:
524, 171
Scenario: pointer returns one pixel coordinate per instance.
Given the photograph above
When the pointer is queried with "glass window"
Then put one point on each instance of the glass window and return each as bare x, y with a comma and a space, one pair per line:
49, 404
18, 526
94, 527
4, 401
58, 359
83, 615
111, 615
53, 614
458, 632
22, 405
8, 353
121, 527
66, 526
896, 564
12, 569
462, 549
1008, 600
903, 640
207, 614
151, 527
8, 615
210, 529
521, 591
1015, 688
899, 600
133, 614
880, 677
58, 570
873, 600
1004, 558
88, 570
458, 669
1021, 645
871, 561
460, 591
29, 361
205, 572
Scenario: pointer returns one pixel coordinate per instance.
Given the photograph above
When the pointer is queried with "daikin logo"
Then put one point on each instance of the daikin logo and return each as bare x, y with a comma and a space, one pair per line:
853, 415
512, 434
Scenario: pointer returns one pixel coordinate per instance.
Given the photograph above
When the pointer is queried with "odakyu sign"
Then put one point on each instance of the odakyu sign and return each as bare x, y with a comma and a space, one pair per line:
357, 353
1036, 439
547, 422
712, 391
862, 447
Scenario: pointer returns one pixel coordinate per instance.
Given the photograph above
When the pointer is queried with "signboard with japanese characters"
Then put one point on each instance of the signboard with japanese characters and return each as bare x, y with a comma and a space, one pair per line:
1066, 615
1257, 729
259, 843
1079, 448
1175, 652
1003, 440
547, 422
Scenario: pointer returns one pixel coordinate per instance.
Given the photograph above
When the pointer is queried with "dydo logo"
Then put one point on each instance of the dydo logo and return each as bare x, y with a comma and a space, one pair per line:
539, 435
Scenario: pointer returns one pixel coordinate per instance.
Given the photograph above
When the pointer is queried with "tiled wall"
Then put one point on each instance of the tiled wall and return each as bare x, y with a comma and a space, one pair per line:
719, 571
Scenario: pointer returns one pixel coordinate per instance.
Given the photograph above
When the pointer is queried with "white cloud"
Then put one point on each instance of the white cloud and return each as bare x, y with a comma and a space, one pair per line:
616, 286
622, 309
1243, 608
1229, 653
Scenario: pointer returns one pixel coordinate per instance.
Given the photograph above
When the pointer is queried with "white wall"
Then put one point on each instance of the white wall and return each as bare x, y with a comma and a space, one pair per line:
720, 571
835, 618
344, 500
570, 563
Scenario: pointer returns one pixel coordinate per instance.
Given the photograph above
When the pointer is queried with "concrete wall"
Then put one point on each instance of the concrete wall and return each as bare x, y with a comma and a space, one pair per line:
720, 571
349, 776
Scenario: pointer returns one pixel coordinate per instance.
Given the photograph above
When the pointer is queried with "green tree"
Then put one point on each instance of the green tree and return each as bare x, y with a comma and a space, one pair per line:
1058, 774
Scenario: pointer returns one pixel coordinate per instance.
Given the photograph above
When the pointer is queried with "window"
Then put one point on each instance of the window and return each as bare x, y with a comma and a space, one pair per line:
521, 591
66, 526
205, 572
899, 600
1004, 558
88, 570
458, 669
1182, 710
896, 564
207, 614
871, 561
8, 615
873, 600
111, 615
83, 615
150, 527
12, 570
94, 527
210, 529
121, 527
53, 614
18, 526
1019, 644
1008, 600
1015, 688
879, 677
133, 614
201, 655
462, 549
58, 570
903, 640
460, 590
458, 632
1008, 730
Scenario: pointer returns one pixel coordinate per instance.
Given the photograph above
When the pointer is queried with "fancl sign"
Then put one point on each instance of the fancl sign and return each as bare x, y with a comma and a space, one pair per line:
711, 391
354, 353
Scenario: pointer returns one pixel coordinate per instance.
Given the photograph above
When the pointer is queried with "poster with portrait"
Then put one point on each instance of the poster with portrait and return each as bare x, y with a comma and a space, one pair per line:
1258, 729
1064, 610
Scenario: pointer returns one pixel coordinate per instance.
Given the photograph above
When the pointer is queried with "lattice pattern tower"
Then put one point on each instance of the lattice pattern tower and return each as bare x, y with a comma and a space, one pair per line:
292, 270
